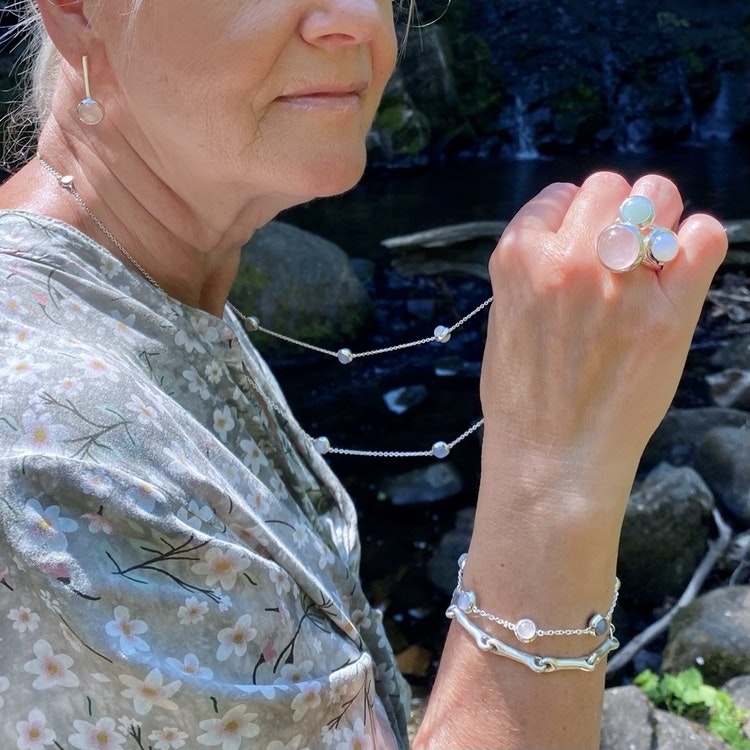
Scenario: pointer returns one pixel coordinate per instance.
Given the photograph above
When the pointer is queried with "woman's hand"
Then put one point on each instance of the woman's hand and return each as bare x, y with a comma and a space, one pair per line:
582, 363
579, 368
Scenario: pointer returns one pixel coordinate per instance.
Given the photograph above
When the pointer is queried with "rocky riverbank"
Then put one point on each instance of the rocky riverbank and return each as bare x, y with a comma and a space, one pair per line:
686, 538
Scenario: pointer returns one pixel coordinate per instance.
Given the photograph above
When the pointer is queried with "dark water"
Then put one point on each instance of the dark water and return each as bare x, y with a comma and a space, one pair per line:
713, 177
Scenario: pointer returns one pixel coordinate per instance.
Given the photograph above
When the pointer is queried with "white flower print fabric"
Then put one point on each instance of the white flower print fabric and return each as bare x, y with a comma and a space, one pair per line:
178, 567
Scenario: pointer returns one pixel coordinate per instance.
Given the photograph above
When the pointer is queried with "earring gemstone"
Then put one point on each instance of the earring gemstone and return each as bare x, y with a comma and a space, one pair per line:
90, 111
620, 247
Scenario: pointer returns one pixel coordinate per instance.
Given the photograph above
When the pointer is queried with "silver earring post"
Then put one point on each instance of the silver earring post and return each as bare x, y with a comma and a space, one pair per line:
89, 110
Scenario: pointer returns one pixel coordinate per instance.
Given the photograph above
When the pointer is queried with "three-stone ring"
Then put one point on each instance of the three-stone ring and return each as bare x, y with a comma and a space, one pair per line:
635, 239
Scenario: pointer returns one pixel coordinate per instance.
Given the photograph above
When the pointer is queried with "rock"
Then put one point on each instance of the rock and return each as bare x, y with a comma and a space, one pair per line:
446, 236
425, 266
736, 354
414, 660
626, 720
681, 431
630, 722
713, 631
676, 733
443, 565
400, 400
738, 231
732, 299
664, 534
427, 69
301, 285
422, 309
730, 108
730, 388
739, 690
436, 482
400, 133
723, 460
735, 561
418, 710
364, 269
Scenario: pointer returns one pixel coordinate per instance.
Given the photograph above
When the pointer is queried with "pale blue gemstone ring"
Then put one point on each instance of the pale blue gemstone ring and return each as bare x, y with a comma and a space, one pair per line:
635, 239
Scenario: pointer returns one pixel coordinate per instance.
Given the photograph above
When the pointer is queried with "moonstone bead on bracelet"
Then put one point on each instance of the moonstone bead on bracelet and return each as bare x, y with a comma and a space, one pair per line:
526, 629
538, 664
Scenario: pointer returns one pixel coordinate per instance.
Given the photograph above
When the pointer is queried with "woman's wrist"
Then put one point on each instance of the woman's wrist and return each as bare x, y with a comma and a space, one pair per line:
542, 552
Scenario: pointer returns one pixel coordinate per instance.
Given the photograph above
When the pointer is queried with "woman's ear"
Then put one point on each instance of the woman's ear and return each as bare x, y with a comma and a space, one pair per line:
68, 27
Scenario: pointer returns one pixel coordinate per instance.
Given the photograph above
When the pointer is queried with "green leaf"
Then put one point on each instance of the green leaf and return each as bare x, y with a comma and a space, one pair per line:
648, 682
685, 694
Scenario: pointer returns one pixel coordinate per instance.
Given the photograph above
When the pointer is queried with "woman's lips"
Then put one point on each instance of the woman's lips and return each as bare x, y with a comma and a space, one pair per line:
334, 96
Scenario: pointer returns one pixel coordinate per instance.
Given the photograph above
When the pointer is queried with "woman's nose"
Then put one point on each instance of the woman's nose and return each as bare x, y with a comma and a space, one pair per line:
337, 23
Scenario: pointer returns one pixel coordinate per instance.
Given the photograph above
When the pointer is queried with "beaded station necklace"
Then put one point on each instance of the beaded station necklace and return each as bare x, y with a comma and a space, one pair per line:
441, 335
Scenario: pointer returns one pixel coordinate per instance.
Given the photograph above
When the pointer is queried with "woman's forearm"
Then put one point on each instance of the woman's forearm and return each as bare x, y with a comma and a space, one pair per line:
558, 573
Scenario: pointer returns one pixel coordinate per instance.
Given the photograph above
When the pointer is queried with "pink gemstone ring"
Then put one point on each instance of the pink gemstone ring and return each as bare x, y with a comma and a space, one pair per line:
635, 239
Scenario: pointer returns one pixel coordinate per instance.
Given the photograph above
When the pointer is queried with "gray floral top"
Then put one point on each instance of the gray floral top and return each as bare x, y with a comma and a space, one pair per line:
178, 567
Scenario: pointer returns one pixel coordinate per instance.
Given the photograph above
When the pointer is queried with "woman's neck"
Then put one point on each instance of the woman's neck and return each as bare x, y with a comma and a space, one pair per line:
191, 252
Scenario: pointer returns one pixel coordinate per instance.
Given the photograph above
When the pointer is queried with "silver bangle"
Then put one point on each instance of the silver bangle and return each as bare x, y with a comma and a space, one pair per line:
525, 629
538, 664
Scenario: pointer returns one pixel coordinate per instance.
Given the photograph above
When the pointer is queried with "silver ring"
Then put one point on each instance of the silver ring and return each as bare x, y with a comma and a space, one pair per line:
635, 239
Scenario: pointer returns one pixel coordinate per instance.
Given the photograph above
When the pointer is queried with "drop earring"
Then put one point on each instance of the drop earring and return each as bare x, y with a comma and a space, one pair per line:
89, 110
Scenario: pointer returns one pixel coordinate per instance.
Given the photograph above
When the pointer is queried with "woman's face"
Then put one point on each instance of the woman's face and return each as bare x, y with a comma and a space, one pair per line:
236, 99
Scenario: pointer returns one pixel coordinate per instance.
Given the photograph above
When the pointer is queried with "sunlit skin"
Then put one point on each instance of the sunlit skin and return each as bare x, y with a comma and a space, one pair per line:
218, 115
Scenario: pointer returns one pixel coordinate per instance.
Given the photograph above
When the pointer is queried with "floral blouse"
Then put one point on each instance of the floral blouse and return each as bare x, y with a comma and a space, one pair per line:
178, 567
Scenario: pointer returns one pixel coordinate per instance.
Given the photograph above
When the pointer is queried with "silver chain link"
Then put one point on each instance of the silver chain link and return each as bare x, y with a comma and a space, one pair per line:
471, 607
66, 182
441, 335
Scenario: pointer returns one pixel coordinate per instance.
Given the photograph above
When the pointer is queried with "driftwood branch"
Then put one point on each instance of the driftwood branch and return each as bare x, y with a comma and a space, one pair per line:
448, 235
715, 550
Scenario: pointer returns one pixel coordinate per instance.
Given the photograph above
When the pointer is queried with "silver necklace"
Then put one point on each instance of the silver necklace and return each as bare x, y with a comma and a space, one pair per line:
441, 335
66, 182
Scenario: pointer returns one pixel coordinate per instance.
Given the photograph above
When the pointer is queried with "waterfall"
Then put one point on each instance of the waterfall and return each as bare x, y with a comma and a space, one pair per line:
438, 43
718, 123
525, 147
687, 100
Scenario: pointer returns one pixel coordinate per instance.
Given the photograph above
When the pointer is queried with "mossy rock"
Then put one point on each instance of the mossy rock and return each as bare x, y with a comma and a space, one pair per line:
302, 286
712, 632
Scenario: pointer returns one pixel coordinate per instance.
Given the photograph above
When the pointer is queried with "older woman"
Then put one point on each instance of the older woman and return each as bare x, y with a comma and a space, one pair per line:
179, 567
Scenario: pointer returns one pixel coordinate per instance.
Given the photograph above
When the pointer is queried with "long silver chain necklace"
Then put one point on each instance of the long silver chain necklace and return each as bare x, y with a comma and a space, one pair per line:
441, 335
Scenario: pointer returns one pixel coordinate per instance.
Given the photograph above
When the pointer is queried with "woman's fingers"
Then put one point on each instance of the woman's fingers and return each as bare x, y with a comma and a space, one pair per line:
546, 211
597, 203
664, 195
704, 244
593, 208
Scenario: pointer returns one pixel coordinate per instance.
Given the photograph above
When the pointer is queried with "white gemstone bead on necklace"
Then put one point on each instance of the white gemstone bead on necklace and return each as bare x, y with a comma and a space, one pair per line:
344, 355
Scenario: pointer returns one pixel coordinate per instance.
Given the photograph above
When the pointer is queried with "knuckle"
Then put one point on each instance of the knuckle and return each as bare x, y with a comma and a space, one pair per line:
606, 181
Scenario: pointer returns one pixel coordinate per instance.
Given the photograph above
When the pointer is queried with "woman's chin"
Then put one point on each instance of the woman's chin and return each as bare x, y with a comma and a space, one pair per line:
335, 176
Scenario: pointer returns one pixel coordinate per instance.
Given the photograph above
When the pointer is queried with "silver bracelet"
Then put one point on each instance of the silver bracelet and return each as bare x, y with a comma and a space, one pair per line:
539, 664
525, 629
